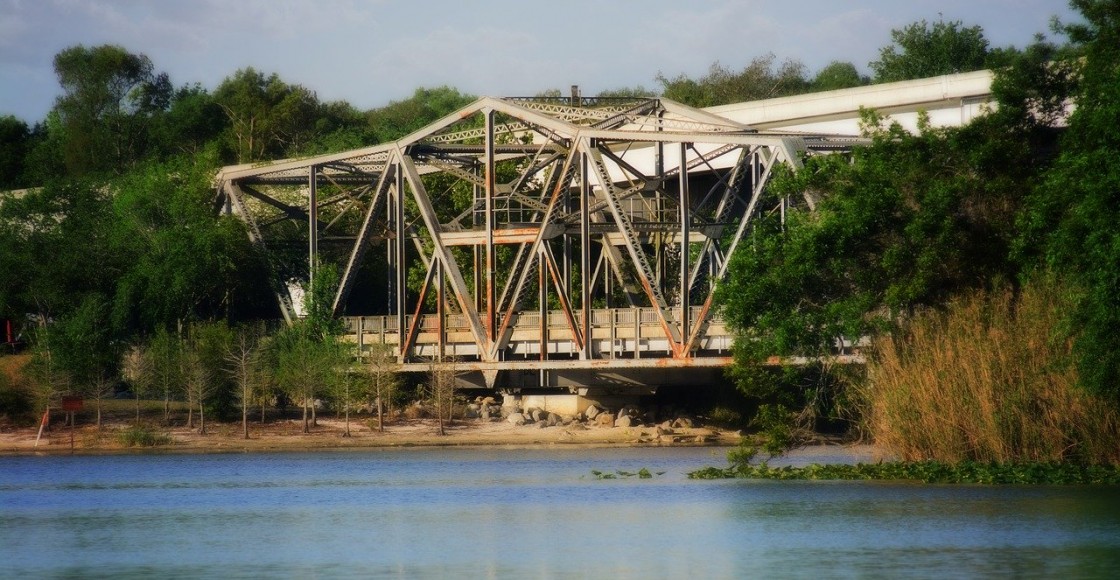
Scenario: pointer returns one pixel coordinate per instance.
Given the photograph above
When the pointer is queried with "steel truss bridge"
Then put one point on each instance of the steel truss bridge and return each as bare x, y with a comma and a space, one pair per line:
529, 241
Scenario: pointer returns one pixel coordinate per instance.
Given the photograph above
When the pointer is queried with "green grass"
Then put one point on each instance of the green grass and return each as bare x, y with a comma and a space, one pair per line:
140, 436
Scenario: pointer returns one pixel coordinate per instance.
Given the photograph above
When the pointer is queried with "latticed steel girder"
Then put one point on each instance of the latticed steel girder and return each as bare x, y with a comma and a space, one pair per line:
589, 200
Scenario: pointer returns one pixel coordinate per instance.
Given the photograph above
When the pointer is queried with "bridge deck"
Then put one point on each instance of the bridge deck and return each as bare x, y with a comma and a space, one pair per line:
620, 338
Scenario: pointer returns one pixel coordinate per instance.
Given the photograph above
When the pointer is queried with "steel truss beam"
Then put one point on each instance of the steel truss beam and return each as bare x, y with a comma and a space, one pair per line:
572, 195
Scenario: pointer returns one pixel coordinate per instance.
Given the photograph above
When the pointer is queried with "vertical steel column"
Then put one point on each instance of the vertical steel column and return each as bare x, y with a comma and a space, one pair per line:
566, 258
312, 225
476, 253
542, 306
402, 268
390, 259
685, 232
659, 166
491, 181
585, 256
441, 314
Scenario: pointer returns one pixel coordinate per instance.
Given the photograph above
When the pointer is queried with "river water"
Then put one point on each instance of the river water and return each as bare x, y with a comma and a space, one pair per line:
514, 513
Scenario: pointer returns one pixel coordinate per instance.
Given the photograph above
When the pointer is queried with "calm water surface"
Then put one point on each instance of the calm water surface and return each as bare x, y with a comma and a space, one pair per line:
506, 513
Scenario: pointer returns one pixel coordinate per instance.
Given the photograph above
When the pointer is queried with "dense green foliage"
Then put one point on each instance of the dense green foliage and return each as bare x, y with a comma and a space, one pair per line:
1073, 218
919, 51
116, 257
15, 138
760, 79
912, 223
905, 222
110, 96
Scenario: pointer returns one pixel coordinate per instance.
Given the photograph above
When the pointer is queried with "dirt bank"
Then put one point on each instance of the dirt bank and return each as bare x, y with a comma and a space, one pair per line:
287, 435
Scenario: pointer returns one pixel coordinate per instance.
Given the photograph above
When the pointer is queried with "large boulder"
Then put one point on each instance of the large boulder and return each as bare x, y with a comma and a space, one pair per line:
516, 418
623, 421
604, 420
592, 412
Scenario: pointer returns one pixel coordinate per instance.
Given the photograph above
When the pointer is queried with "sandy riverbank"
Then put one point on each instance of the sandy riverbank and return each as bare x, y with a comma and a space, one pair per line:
287, 435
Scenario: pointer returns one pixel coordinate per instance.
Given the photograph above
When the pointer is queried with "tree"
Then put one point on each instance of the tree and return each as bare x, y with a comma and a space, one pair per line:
49, 381
184, 263
244, 359
267, 117
136, 368
308, 357
1034, 88
56, 249
919, 51
838, 75
44, 162
347, 388
1074, 217
758, 80
164, 366
441, 388
205, 378
306, 365
339, 127
193, 122
109, 96
86, 351
198, 383
635, 92
383, 368
399, 118
15, 143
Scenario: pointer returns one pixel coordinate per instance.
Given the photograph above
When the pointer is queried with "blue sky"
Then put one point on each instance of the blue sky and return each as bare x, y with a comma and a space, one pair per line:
370, 52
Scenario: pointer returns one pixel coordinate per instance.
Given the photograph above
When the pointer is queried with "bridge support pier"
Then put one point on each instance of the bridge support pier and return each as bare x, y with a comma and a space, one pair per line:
511, 401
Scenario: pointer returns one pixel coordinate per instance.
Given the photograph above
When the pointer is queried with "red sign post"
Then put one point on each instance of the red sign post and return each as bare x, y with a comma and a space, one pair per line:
72, 404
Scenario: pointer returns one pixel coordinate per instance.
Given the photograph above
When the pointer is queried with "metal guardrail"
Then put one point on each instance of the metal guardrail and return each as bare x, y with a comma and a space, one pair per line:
615, 333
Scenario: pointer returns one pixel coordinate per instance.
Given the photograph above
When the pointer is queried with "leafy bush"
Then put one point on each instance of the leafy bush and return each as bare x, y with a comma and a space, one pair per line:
725, 417
142, 436
15, 401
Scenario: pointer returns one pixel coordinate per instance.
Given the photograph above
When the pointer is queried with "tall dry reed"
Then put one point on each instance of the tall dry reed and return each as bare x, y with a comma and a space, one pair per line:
990, 379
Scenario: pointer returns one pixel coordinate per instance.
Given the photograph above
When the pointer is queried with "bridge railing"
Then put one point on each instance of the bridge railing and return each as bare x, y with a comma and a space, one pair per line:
615, 332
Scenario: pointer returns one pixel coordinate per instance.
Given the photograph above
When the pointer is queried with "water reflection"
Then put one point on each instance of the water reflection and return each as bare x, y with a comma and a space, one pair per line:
518, 513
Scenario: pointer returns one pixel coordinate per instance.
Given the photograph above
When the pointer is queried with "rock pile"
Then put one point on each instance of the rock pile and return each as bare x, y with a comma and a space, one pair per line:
485, 408
593, 416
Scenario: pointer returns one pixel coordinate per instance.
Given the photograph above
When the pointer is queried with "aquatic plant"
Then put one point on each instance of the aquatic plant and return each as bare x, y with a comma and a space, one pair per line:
642, 473
992, 473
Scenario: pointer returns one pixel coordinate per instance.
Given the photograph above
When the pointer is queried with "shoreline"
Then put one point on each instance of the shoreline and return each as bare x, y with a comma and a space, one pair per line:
287, 436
